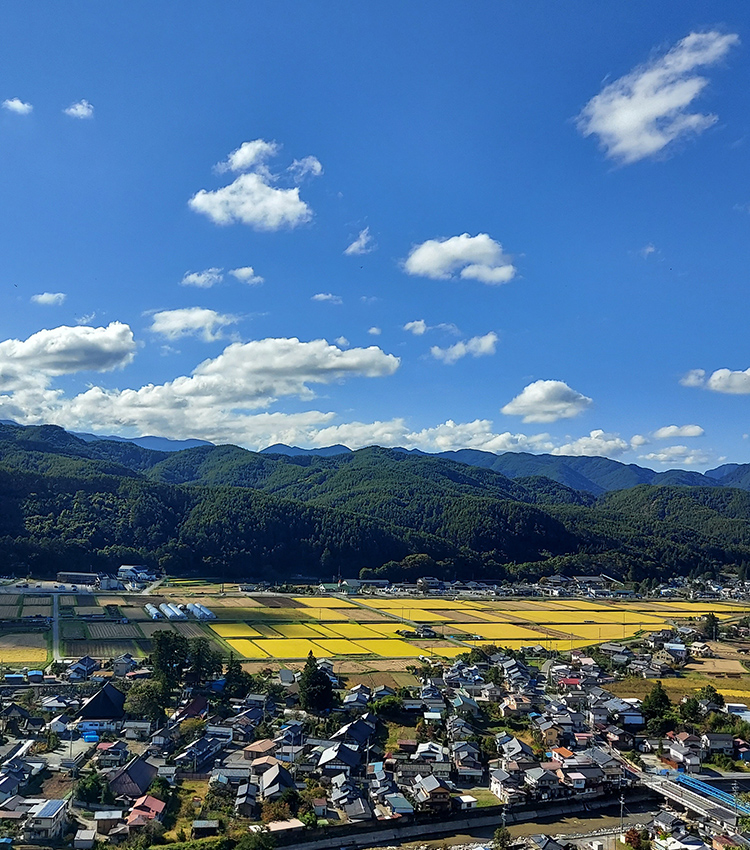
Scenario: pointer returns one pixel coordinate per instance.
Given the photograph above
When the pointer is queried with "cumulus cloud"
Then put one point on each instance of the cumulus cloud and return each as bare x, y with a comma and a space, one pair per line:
308, 166
248, 155
374, 331
81, 109
15, 104
642, 113
204, 280
246, 274
342, 342
251, 198
678, 454
363, 244
62, 351
49, 299
479, 434
477, 346
473, 257
213, 401
327, 296
694, 378
670, 432
597, 444
191, 321
647, 250
547, 401
733, 382
418, 327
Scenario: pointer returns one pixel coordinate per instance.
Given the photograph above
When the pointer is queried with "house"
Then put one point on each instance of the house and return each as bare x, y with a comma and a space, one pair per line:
46, 821
137, 730
398, 805
714, 742
104, 711
275, 781
245, 802
339, 758
543, 783
107, 820
204, 828
146, 808
111, 754
263, 747
132, 780
84, 839
81, 670
123, 664
199, 753
432, 794
59, 725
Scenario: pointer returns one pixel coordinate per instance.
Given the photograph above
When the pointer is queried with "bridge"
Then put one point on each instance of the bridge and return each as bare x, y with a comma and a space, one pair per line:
698, 797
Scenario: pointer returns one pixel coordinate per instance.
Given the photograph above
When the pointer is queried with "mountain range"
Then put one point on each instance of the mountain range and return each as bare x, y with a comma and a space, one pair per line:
81, 503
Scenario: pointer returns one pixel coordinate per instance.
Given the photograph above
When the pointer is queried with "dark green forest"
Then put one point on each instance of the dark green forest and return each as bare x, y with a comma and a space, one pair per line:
235, 514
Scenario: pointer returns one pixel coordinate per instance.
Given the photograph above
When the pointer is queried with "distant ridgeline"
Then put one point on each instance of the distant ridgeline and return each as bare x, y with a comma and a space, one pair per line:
85, 503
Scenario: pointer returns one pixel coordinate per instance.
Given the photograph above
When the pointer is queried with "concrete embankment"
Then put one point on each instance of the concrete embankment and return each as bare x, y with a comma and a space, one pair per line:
371, 833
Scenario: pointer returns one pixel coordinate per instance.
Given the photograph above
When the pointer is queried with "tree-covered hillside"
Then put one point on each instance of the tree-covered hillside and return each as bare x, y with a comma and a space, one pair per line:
226, 511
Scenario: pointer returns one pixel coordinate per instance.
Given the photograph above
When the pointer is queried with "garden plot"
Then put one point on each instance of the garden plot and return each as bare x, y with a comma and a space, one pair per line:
189, 630
103, 648
72, 630
8, 612
113, 631
89, 611
153, 626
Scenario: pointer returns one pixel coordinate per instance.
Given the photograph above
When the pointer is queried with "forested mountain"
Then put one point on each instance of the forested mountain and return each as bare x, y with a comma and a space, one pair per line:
222, 510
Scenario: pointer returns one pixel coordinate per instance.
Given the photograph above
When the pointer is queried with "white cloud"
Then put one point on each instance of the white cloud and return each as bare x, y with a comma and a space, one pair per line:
188, 321
204, 280
645, 111
732, 382
342, 342
52, 299
418, 327
547, 401
327, 296
16, 105
728, 381
251, 198
670, 432
246, 274
478, 258
81, 109
214, 400
597, 444
479, 434
248, 155
87, 318
477, 346
638, 440
694, 378
647, 250
374, 331
62, 351
678, 454
307, 166
363, 244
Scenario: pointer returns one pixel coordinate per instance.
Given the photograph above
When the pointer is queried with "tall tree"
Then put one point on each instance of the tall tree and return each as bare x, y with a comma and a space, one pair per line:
237, 682
711, 626
146, 701
315, 689
203, 660
656, 702
169, 654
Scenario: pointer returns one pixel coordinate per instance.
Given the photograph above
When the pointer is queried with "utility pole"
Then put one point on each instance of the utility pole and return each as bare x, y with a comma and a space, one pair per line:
622, 813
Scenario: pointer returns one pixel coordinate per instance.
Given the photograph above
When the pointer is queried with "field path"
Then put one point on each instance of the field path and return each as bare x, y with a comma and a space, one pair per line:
56, 627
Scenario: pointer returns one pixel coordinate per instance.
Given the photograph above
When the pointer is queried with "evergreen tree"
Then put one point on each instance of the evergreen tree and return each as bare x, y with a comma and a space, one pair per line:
168, 657
656, 702
237, 682
203, 660
315, 689
146, 701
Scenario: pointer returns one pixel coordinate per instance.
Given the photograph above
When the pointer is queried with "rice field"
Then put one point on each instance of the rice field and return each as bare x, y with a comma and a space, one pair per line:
23, 648
280, 627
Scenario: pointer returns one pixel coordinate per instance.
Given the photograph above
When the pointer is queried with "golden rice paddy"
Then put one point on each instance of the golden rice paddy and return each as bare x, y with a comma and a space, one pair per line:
288, 647
341, 647
392, 648
354, 631
296, 630
29, 648
324, 602
235, 630
247, 649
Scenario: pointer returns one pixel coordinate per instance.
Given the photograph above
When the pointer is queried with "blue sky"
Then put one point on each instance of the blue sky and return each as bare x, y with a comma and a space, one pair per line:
546, 206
